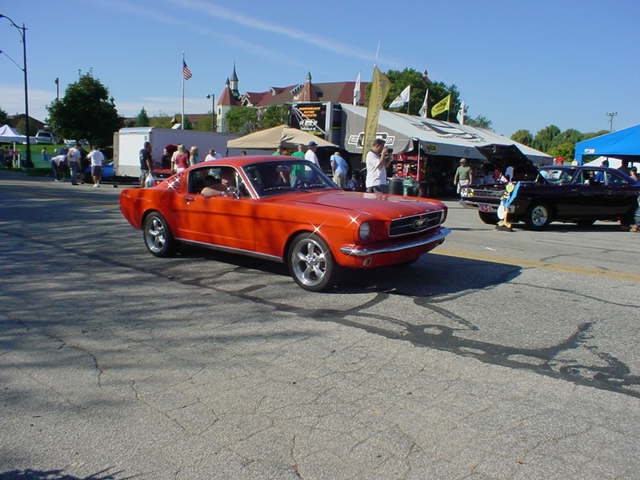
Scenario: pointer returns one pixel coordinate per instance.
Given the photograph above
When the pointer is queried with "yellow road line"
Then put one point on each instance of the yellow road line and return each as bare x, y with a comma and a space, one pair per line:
521, 262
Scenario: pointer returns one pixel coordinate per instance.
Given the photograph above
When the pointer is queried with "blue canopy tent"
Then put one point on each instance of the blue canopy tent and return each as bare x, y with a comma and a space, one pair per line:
623, 144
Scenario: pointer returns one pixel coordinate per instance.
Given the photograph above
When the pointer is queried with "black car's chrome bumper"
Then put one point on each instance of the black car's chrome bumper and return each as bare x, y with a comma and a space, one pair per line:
364, 252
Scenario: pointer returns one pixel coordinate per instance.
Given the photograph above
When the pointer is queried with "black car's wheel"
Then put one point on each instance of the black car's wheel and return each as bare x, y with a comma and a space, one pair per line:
538, 216
157, 235
488, 218
310, 262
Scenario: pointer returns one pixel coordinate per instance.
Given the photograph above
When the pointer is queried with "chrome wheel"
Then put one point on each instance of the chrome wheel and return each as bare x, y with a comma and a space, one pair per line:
310, 262
539, 216
157, 236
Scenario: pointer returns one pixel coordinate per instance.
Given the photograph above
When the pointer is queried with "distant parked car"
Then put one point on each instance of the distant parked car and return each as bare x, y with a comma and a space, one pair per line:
44, 136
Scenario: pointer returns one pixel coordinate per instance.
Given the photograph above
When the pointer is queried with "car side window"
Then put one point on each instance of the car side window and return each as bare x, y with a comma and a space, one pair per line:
615, 179
591, 177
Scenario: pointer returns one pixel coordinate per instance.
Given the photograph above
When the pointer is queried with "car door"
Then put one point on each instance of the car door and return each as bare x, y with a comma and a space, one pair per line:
621, 195
592, 193
226, 221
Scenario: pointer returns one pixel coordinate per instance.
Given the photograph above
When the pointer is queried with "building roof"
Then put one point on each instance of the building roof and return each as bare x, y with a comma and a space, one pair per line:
308, 92
227, 98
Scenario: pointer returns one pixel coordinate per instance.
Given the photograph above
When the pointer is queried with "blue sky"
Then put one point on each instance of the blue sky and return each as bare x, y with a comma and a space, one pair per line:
522, 64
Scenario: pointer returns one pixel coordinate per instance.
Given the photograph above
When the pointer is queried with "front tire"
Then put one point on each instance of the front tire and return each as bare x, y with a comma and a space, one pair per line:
488, 218
157, 236
538, 216
310, 262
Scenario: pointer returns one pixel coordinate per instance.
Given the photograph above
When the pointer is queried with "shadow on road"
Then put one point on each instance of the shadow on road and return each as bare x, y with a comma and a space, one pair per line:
29, 474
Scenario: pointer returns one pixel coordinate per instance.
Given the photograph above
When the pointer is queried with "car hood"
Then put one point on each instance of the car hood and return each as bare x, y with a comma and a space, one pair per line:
380, 205
503, 156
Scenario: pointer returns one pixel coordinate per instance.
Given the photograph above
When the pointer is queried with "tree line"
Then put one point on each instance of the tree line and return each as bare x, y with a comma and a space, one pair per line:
553, 141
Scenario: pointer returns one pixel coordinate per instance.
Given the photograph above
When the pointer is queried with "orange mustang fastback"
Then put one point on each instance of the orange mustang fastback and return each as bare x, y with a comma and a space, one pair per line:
286, 210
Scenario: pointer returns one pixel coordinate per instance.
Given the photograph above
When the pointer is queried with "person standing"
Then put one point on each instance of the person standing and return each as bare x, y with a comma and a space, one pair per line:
310, 155
96, 159
73, 159
340, 169
299, 153
58, 165
211, 155
146, 163
377, 161
463, 175
194, 156
180, 160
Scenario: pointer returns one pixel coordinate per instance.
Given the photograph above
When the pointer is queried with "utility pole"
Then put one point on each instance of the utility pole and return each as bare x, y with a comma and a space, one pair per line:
611, 115
28, 163
212, 96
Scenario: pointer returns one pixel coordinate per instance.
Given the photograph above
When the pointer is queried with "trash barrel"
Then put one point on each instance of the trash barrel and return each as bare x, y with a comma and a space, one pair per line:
395, 186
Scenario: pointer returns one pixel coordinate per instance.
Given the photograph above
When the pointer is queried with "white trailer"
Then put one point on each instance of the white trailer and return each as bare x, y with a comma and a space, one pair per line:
127, 143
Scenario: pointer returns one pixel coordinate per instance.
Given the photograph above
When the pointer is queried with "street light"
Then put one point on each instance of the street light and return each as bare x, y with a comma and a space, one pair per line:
212, 96
23, 34
611, 115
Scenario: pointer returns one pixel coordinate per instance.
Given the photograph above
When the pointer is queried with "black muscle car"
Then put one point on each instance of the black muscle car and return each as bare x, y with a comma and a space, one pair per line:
580, 194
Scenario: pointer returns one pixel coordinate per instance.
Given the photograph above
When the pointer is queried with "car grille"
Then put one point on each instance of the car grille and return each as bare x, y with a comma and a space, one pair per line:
415, 223
476, 192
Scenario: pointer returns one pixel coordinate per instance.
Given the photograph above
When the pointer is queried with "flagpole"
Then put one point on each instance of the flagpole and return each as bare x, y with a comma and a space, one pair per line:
182, 74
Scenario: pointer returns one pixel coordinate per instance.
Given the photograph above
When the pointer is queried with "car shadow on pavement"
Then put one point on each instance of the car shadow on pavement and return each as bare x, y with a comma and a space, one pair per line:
29, 474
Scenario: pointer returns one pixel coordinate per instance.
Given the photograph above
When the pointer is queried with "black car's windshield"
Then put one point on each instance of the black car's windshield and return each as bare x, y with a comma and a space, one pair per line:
284, 176
558, 176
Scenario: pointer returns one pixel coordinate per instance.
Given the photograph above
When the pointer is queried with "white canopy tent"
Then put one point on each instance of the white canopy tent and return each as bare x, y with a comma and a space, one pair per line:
436, 137
9, 135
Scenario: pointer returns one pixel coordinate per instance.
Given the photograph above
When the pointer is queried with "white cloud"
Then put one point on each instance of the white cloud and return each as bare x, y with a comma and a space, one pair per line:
219, 12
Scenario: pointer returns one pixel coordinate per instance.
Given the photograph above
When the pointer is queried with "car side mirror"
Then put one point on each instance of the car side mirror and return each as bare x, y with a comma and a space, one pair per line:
232, 192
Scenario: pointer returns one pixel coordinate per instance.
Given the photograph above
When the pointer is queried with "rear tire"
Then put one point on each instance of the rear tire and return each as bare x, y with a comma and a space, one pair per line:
488, 218
310, 262
538, 216
157, 236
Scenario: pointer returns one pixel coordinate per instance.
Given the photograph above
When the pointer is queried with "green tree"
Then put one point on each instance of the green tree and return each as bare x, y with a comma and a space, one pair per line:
437, 91
565, 150
203, 124
479, 121
142, 120
85, 112
544, 138
571, 135
187, 123
3, 117
164, 121
273, 116
523, 136
587, 136
242, 120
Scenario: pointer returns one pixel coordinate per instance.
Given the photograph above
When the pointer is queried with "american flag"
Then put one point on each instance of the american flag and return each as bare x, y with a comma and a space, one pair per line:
186, 73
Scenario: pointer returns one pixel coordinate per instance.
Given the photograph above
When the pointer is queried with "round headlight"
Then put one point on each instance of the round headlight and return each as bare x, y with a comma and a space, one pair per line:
364, 231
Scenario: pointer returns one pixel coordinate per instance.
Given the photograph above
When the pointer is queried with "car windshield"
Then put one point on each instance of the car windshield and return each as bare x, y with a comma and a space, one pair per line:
285, 176
558, 176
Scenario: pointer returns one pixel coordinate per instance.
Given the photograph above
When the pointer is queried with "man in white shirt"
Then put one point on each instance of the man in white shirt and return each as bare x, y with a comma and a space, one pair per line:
340, 169
377, 160
310, 154
73, 159
96, 158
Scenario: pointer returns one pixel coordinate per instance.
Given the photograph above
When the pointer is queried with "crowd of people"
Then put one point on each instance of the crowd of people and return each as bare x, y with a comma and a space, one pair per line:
72, 162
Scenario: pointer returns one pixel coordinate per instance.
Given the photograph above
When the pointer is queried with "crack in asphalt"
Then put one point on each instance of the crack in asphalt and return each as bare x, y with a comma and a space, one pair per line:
615, 376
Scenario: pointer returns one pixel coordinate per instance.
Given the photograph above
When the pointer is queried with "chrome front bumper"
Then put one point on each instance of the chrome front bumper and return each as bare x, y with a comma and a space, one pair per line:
364, 252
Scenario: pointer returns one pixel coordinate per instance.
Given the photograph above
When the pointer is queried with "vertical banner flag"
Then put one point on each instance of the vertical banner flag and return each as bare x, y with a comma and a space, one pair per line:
423, 109
401, 99
186, 73
379, 89
356, 91
461, 112
442, 106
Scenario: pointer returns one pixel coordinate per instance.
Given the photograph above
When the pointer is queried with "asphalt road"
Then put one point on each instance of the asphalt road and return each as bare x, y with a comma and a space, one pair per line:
501, 355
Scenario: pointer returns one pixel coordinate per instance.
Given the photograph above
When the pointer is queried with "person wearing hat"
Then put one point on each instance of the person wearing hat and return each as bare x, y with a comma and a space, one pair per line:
463, 175
310, 154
